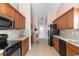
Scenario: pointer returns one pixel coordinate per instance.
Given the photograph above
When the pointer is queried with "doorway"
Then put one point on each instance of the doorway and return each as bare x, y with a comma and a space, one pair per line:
42, 28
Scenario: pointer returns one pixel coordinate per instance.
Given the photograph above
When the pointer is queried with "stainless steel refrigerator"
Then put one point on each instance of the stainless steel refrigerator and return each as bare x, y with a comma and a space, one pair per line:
52, 30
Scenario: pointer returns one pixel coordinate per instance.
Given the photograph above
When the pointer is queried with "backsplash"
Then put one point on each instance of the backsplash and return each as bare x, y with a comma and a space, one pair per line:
70, 33
11, 33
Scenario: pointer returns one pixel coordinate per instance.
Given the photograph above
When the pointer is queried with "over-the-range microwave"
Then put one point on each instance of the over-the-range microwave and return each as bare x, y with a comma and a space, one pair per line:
6, 23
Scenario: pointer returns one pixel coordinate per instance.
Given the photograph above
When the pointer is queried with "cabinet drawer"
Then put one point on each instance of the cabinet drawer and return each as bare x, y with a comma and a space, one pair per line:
24, 46
73, 47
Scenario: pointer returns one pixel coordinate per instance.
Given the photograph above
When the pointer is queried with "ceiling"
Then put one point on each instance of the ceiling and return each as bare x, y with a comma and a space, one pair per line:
42, 9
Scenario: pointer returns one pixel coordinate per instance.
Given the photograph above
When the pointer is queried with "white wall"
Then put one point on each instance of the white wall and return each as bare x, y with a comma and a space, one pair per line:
25, 9
64, 7
52, 14
42, 9
15, 5
51, 17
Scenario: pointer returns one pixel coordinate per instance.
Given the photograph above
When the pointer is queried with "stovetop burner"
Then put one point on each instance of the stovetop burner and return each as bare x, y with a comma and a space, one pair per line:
2, 46
9, 44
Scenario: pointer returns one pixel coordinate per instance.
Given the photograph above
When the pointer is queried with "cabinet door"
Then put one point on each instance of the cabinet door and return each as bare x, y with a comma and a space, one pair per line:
25, 46
70, 19
63, 22
1, 8
56, 43
15, 18
58, 23
70, 51
9, 11
21, 22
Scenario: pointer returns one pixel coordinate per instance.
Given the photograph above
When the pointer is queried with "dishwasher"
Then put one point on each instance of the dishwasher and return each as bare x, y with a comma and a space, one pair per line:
62, 47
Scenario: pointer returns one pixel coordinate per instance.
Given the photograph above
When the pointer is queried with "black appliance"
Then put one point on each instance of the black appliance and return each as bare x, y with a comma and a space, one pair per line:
10, 47
6, 23
13, 48
52, 30
3, 40
62, 47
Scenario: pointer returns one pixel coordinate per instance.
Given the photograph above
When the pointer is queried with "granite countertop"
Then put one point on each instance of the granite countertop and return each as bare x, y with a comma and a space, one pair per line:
66, 39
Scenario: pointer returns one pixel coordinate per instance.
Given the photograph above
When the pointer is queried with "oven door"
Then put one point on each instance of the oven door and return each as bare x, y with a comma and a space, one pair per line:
13, 50
16, 53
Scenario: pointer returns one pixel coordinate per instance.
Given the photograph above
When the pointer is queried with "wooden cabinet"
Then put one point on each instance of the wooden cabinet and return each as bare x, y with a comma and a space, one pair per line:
65, 48
21, 22
24, 46
15, 18
61, 22
68, 20
72, 50
8, 11
2, 9
56, 43
58, 23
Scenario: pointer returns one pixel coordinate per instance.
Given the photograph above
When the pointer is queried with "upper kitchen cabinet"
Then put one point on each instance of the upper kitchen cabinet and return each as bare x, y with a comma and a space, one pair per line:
12, 13
69, 20
9, 11
2, 9
61, 22
21, 21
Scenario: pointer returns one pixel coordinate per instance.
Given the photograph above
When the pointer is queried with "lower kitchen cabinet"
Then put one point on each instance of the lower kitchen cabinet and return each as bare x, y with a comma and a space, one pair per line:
56, 43
65, 48
24, 46
72, 50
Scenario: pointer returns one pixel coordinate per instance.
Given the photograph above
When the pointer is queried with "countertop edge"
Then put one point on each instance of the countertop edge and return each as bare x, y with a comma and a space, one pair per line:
66, 40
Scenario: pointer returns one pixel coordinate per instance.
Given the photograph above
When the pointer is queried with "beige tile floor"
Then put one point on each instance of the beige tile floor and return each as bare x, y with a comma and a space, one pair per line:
42, 49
